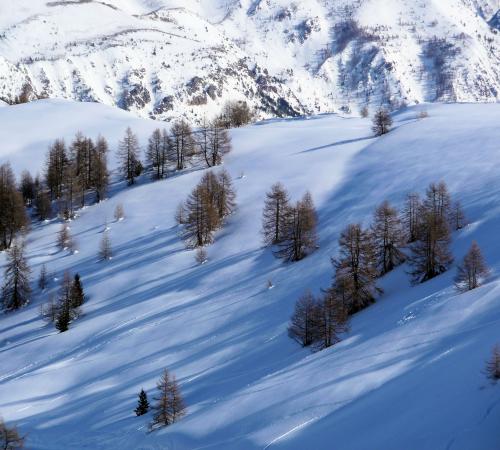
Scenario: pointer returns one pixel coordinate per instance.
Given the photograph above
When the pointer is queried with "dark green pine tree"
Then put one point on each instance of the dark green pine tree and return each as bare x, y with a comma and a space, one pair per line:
77, 295
142, 403
63, 317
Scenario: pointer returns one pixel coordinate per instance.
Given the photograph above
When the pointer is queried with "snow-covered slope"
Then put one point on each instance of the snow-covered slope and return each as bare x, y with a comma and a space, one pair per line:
408, 374
167, 58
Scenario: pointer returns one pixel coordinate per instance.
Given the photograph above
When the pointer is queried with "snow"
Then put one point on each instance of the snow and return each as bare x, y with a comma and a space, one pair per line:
407, 375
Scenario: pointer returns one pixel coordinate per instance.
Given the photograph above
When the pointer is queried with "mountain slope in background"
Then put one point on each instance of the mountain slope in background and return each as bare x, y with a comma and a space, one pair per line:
409, 373
170, 58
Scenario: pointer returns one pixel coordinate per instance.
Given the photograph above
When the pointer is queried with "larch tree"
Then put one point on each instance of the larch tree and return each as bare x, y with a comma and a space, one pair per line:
356, 268
493, 365
411, 216
169, 406
430, 254
183, 144
43, 205
64, 239
43, 278
10, 439
457, 216
472, 271
331, 320
382, 122
302, 326
157, 152
275, 214
219, 144
299, 237
105, 250
27, 188
177, 405
225, 195
119, 213
57, 159
388, 238
100, 174
16, 290
128, 155
12, 210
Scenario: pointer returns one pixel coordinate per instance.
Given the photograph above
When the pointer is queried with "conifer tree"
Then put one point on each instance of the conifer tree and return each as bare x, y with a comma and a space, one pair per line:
493, 365
105, 251
100, 175
331, 319
169, 405
299, 237
12, 210
224, 194
219, 144
156, 153
142, 404
10, 439
183, 144
128, 155
388, 238
275, 214
356, 268
76, 293
16, 290
303, 321
430, 254
65, 311
43, 278
411, 216
27, 188
57, 159
472, 271
64, 239
457, 219
43, 206
119, 212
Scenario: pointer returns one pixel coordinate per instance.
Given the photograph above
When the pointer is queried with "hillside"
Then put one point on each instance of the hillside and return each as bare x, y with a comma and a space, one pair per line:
407, 375
169, 58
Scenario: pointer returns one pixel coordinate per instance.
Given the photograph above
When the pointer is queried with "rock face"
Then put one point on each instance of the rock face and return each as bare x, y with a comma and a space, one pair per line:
165, 58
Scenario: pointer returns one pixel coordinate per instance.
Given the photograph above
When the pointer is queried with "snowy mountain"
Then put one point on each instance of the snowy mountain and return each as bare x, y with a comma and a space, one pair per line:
167, 58
408, 374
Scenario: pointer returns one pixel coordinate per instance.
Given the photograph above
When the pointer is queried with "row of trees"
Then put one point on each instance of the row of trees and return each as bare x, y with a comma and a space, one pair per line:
204, 211
290, 228
166, 151
168, 405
